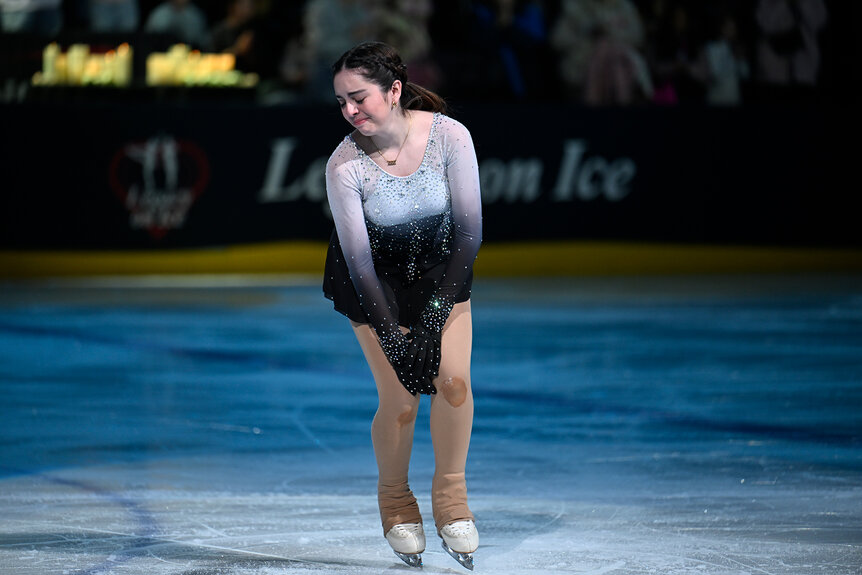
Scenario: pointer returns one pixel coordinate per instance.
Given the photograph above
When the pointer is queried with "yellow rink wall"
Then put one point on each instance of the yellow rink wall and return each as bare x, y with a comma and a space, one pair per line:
567, 258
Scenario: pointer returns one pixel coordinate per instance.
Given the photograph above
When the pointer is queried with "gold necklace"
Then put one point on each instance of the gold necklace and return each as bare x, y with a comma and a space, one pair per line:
392, 162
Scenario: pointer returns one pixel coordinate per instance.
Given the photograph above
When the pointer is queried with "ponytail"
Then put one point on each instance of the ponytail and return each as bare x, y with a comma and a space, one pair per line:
415, 97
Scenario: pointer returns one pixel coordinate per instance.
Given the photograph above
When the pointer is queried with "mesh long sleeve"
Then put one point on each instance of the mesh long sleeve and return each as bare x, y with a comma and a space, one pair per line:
462, 172
344, 191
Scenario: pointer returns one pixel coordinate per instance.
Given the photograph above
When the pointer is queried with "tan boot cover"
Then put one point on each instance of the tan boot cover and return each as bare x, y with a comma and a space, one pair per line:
449, 499
397, 505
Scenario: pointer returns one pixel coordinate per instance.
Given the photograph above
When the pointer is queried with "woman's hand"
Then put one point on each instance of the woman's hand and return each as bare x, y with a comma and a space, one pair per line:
415, 357
429, 342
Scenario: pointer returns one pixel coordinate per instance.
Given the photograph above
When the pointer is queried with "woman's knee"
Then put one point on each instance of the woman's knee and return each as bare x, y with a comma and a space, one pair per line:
453, 389
398, 413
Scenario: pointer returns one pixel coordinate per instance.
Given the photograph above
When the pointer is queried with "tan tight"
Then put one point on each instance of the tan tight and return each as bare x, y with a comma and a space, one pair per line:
451, 424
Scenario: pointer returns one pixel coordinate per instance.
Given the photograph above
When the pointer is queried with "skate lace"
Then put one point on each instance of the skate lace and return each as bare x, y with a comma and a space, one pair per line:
459, 529
407, 529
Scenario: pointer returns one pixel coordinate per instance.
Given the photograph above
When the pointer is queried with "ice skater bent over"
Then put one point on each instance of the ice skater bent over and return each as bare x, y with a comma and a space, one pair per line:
403, 188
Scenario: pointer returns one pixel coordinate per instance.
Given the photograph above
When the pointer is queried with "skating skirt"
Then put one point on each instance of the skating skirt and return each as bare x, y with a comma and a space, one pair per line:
411, 298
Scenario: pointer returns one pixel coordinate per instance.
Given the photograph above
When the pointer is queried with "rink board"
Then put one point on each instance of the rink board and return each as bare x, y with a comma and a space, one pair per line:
495, 259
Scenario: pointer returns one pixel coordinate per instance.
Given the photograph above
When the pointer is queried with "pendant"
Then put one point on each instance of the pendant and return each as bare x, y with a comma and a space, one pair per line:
390, 162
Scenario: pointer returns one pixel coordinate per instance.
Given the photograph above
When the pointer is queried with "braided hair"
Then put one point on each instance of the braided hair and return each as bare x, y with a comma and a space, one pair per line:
381, 64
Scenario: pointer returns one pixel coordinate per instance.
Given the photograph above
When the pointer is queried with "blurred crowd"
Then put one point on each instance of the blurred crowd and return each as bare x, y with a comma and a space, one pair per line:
593, 52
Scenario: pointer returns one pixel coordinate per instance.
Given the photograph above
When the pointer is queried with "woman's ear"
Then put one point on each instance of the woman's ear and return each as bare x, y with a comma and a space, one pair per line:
395, 91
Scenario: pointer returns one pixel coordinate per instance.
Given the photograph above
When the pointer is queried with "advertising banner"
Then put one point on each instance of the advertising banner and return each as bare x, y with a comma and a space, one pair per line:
138, 176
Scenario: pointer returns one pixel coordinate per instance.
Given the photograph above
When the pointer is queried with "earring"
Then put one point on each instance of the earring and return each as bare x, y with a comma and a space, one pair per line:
394, 104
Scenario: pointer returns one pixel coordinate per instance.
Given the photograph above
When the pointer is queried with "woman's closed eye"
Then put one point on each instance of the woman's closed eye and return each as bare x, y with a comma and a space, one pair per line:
342, 103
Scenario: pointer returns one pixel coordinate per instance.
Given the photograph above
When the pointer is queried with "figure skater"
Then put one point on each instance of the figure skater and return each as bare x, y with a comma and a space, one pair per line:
403, 188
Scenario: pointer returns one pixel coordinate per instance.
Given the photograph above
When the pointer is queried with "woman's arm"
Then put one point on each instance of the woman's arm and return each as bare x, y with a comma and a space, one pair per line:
462, 170
345, 201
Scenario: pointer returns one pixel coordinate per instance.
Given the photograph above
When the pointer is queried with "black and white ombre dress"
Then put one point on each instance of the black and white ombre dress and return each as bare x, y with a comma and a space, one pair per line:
400, 241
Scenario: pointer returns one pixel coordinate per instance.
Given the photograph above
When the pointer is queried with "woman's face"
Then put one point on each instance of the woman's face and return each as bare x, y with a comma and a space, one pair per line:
363, 104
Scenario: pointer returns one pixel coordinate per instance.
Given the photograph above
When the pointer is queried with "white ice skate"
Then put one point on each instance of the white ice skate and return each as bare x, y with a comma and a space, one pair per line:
460, 540
408, 542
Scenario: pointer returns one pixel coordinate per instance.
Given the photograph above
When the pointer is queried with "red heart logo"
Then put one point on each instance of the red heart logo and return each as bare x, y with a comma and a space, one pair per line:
158, 180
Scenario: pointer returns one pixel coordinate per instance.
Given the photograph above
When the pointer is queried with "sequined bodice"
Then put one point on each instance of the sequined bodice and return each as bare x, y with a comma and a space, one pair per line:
389, 200
408, 217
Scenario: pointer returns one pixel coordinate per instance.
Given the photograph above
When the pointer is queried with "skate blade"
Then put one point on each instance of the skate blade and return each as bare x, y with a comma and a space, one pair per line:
414, 560
465, 559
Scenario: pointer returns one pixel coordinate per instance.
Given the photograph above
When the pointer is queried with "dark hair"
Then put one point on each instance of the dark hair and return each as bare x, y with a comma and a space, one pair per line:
381, 64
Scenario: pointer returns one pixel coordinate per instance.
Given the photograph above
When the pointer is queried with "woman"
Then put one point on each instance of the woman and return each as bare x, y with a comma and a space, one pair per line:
404, 192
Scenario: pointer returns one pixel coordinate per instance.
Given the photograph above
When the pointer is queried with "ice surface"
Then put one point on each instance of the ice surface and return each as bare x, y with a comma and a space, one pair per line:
623, 426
